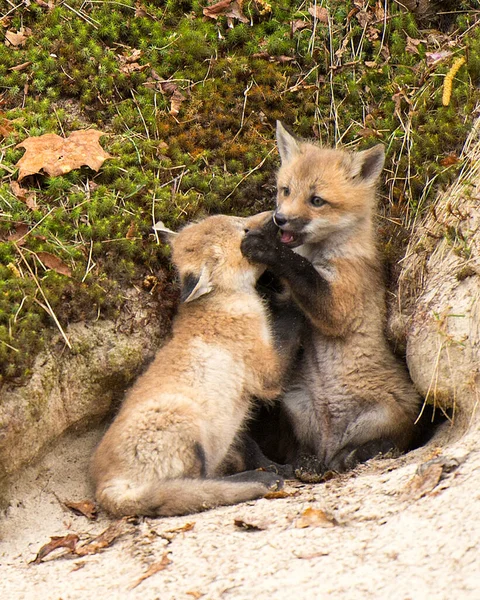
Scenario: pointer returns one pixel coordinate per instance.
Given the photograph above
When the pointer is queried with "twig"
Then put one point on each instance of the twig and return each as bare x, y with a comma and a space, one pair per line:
86, 18
48, 307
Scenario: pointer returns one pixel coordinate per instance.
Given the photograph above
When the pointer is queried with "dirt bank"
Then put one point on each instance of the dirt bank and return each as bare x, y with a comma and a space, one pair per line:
382, 531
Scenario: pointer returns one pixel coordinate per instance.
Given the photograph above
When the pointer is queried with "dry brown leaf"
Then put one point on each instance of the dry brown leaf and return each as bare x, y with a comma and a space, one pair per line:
412, 44
85, 508
131, 231
314, 517
27, 196
18, 236
363, 18
68, 542
249, 526
175, 102
298, 25
187, 527
140, 10
424, 481
319, 13
104, 540
168, 88
195, 594
21, 66
154, 568
5, 126
226, 8
279, 494
171, 534
129, 68
17, 38
53, 262
57, 155
50, 4
448, 161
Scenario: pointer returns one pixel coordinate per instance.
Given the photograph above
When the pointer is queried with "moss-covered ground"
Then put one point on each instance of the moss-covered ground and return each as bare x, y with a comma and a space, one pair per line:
356, 75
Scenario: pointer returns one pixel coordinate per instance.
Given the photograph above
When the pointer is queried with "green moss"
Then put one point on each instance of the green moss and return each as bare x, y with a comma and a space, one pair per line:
236, 82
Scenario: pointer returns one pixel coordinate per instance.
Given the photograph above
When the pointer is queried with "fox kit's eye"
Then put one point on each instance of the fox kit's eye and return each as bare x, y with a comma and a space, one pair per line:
286, 191
317, 201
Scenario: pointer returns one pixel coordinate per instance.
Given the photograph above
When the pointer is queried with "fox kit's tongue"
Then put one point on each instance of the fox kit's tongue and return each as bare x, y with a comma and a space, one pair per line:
287, 237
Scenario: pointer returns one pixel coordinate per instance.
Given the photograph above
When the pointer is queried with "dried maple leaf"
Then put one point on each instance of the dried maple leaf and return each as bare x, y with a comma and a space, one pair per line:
68, 542
226, 8
17, 38
319, 13
53, 262
154, 568
57, 155
314, 517
85, 508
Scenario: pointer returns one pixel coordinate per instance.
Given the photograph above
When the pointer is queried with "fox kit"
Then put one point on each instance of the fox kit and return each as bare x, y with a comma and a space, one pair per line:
349, 397
163, 453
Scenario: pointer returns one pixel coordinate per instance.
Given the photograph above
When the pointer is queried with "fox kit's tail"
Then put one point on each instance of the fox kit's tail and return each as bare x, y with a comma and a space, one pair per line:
121, 497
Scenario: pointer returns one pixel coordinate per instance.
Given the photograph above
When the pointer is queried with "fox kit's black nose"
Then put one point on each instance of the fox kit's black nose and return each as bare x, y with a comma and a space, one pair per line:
279, 219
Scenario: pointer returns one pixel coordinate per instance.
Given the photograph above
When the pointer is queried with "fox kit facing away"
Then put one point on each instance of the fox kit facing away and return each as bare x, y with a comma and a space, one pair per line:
349, 397
163, 453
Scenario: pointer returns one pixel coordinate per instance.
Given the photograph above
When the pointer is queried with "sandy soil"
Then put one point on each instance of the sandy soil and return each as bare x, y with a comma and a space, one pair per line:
384, 532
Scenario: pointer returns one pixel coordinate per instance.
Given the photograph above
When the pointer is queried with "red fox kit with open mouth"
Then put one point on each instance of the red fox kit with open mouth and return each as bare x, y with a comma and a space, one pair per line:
164, 451
349, 397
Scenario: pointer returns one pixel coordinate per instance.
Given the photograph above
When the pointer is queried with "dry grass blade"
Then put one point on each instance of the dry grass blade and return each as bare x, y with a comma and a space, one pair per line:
39, 287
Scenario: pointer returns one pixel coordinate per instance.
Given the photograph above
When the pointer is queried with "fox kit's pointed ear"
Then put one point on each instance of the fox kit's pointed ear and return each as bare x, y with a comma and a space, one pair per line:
287, 144
164, 231
195, 286
368, 164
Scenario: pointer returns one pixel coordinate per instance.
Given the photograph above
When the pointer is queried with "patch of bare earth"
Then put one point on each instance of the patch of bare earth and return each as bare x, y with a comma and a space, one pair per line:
394, 528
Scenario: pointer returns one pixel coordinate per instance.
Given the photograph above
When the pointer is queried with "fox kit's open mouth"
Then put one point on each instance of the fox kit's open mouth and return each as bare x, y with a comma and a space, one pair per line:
290, 239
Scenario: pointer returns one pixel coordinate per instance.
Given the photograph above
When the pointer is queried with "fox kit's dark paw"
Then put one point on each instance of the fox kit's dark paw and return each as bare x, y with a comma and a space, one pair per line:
310, 469
350, 456
261, 246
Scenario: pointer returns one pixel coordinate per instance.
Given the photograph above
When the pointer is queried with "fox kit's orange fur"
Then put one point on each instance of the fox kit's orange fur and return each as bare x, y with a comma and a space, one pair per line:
349, 397
163, 453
